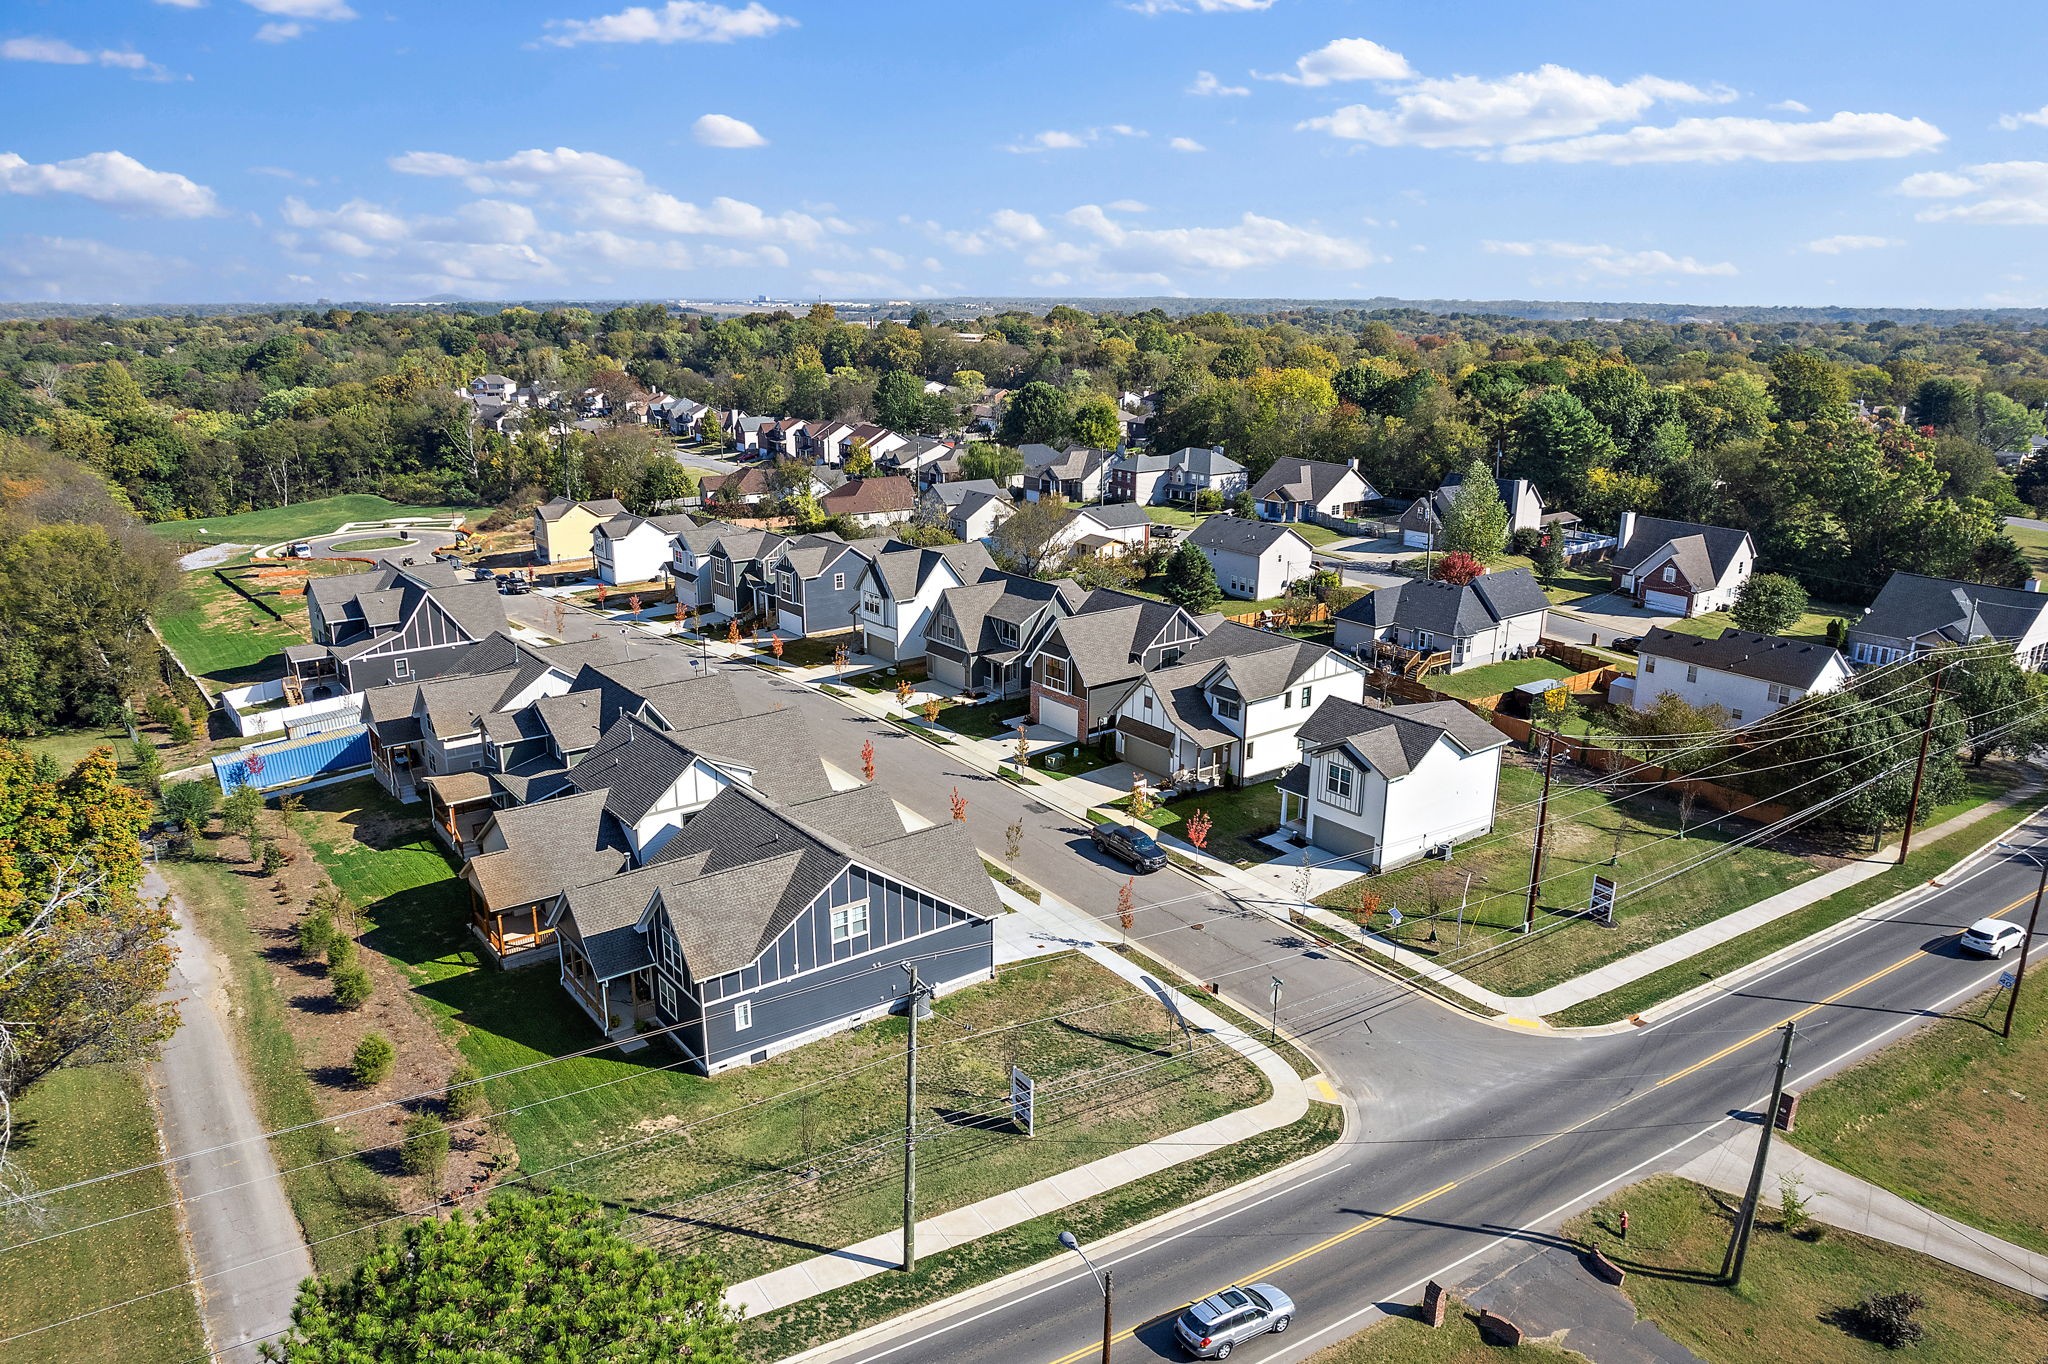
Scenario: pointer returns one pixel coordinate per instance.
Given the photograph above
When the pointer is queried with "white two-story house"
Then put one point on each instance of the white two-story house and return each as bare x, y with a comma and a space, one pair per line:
900, 588
635, 549
1746, 676
1681, 567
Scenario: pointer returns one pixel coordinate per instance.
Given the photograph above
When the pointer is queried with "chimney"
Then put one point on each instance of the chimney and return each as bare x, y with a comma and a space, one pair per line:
2033, 584
1352, 464
1627, 528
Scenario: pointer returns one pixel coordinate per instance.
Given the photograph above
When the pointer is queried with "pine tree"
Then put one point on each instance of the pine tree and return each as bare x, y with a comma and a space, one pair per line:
1190, 581
1477, 520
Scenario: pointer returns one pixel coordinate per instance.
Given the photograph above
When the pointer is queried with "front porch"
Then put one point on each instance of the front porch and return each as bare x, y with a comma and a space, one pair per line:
460, 804
619, 1005
514, 936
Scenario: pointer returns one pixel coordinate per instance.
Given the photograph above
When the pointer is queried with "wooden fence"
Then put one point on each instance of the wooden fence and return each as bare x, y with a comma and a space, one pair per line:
1636, 772
1316, 615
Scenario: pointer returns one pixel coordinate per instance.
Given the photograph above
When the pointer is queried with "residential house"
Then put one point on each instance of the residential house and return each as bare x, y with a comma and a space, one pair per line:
1387, 786
690, 549
981, 635
1231, 707
972, 508
1495, 616
1088, 662
879, 440
496, 387
766, 925
635, 549
1113, 528
1424, 519
525, 856
392, 623
1305, 489
822, 440
872, 502
562, 527
1076, 474
1748, 676
748, 487
679, 416
742, 567
1194, 470
817, 585
924, 460
1253, 560
899, 590
1914, 615
1679, 566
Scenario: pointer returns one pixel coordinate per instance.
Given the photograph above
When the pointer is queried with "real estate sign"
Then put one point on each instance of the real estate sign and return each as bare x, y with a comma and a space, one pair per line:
1023, 1099
1601, 904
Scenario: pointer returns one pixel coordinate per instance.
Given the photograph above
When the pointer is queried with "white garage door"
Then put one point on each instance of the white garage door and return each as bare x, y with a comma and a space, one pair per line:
1060, 715
1416, 539
1673, 602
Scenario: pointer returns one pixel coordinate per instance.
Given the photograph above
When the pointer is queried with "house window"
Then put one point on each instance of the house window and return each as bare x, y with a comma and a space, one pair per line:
1779, 694
838, 582
668, 997
1148, 700
948, 633
850, 922
401, 667
1337, 783
1692, 673
1670, 574
1304, 698
870, 604
1056, 673
1649, 665
1735, 715
743, 1015
1228, 710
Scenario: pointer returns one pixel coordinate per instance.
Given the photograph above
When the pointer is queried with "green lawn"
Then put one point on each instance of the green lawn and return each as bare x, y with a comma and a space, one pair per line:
988, 720
1173, 516
1492, 679
1320, 536
1794, 1291
368, 543
1585, 833
1401, 1339
2033, 542
76, 1124
1073, 760
224, 638
1813, 624
305, 518
1237, 819
1949, 1117
416, 912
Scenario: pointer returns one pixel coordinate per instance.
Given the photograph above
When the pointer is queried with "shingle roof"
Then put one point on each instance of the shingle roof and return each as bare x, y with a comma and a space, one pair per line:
1394, 740
1115, 515
903, 568
1236, 535
1769, 658
604, 508
549, 847
1302, 480
1704, 552
1914, 607
869, 496
1005, 597
1204, 461
1448, 609
957, 494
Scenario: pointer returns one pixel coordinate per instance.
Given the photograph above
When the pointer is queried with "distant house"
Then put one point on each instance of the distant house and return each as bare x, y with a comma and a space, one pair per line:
872, 502
1386, 786
1914, 615
747, 487
1138, 476
1303, 489
972, 508
1230, 709
680, 416
822, 440
771, 924
899, 590
981, 635
1681, 567
742, 566
1114, 529
817, 585
494, 386
1749, 676
924, 460
1194, 470
690, 549
392, 624
562, 527
1076, 474
879, 441
1424, 519
634, 549
1089, 661
1495, 616
1253, 560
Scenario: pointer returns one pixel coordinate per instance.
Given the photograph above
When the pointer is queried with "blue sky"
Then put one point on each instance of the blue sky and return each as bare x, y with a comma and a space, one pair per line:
1796, 152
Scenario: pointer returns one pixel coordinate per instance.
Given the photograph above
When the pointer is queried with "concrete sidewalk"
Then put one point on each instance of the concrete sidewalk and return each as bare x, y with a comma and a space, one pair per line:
1842, 1200
1052, 924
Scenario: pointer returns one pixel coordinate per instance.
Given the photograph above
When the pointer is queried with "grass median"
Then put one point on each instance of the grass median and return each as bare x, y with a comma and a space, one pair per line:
1405, 1340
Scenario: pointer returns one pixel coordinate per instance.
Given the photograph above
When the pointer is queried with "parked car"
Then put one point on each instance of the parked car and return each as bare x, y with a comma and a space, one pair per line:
302, 550
1991, 938
512, 585
1628, 645
1213, 1327
1128, 843
484, 575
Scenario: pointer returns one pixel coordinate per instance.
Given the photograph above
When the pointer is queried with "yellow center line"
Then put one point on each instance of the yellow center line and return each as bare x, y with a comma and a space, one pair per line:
1440, 1190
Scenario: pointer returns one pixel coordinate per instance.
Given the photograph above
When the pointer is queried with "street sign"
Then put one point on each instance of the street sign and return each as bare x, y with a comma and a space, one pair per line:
1023, 1099
1601, 905
1276, 991
2006, 980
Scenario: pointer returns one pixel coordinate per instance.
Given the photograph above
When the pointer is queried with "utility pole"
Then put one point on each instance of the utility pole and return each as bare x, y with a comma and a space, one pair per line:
1542, 824
2012, 1000
1920, 767
914, 1001
1745, 1221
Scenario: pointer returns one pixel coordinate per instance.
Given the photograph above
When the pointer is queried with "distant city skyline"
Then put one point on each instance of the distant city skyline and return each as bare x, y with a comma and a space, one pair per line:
1809, 155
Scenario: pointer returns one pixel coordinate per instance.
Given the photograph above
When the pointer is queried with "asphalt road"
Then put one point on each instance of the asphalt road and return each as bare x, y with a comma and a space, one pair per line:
421, 546
1468, 1133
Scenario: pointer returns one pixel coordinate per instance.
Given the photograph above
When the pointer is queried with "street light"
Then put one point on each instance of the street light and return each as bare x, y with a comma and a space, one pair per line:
1104, 1280
2019, 977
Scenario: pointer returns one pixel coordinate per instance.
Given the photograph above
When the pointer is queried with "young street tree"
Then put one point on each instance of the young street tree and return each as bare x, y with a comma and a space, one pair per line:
527, 1278
1477, 520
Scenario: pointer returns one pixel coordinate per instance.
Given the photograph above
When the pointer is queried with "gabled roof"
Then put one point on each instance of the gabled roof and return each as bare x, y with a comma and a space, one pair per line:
1236, 535
1768, 658
870, 496
549, 847
1204, 461
625, 523
902, 569
1005, 597
1259, 663
1113, 515
1703, 552
603, 508
1448, 609
1915, 607
1303, 480
381, 599
1107, 641
952, 495
1077, 462
1394, 740
809, 556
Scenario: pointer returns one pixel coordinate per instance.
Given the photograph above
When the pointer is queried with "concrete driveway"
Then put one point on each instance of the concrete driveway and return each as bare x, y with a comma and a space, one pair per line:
1602, 620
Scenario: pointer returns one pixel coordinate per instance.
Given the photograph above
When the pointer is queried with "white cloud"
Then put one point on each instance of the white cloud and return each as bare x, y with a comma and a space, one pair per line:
1597, 260
678, 21
182, 4
280, 33
1130, 206
2012, 123
1345, 59
1065, 140
1252, 243
1843, 243
1199, 6
322, 10
1186, 144
1529, 106
1017, 227
2005, 193
722, 130
1790, 106
593, 187
281, 173
1206, 84
1844, 137
114, 179
58, 52
81, 270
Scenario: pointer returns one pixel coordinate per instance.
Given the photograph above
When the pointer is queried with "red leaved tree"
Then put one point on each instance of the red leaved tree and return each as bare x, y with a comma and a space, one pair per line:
1199, 825
1457, 567
959, 806
867, 760
775, 645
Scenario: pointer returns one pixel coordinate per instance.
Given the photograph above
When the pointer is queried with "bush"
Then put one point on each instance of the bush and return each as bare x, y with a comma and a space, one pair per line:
1524, 542
425, 1148
373, 1059
1547, 558
273, 859
351, 985
1887, 1319
316, 934
189, 804
1208, 500
464, 1097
